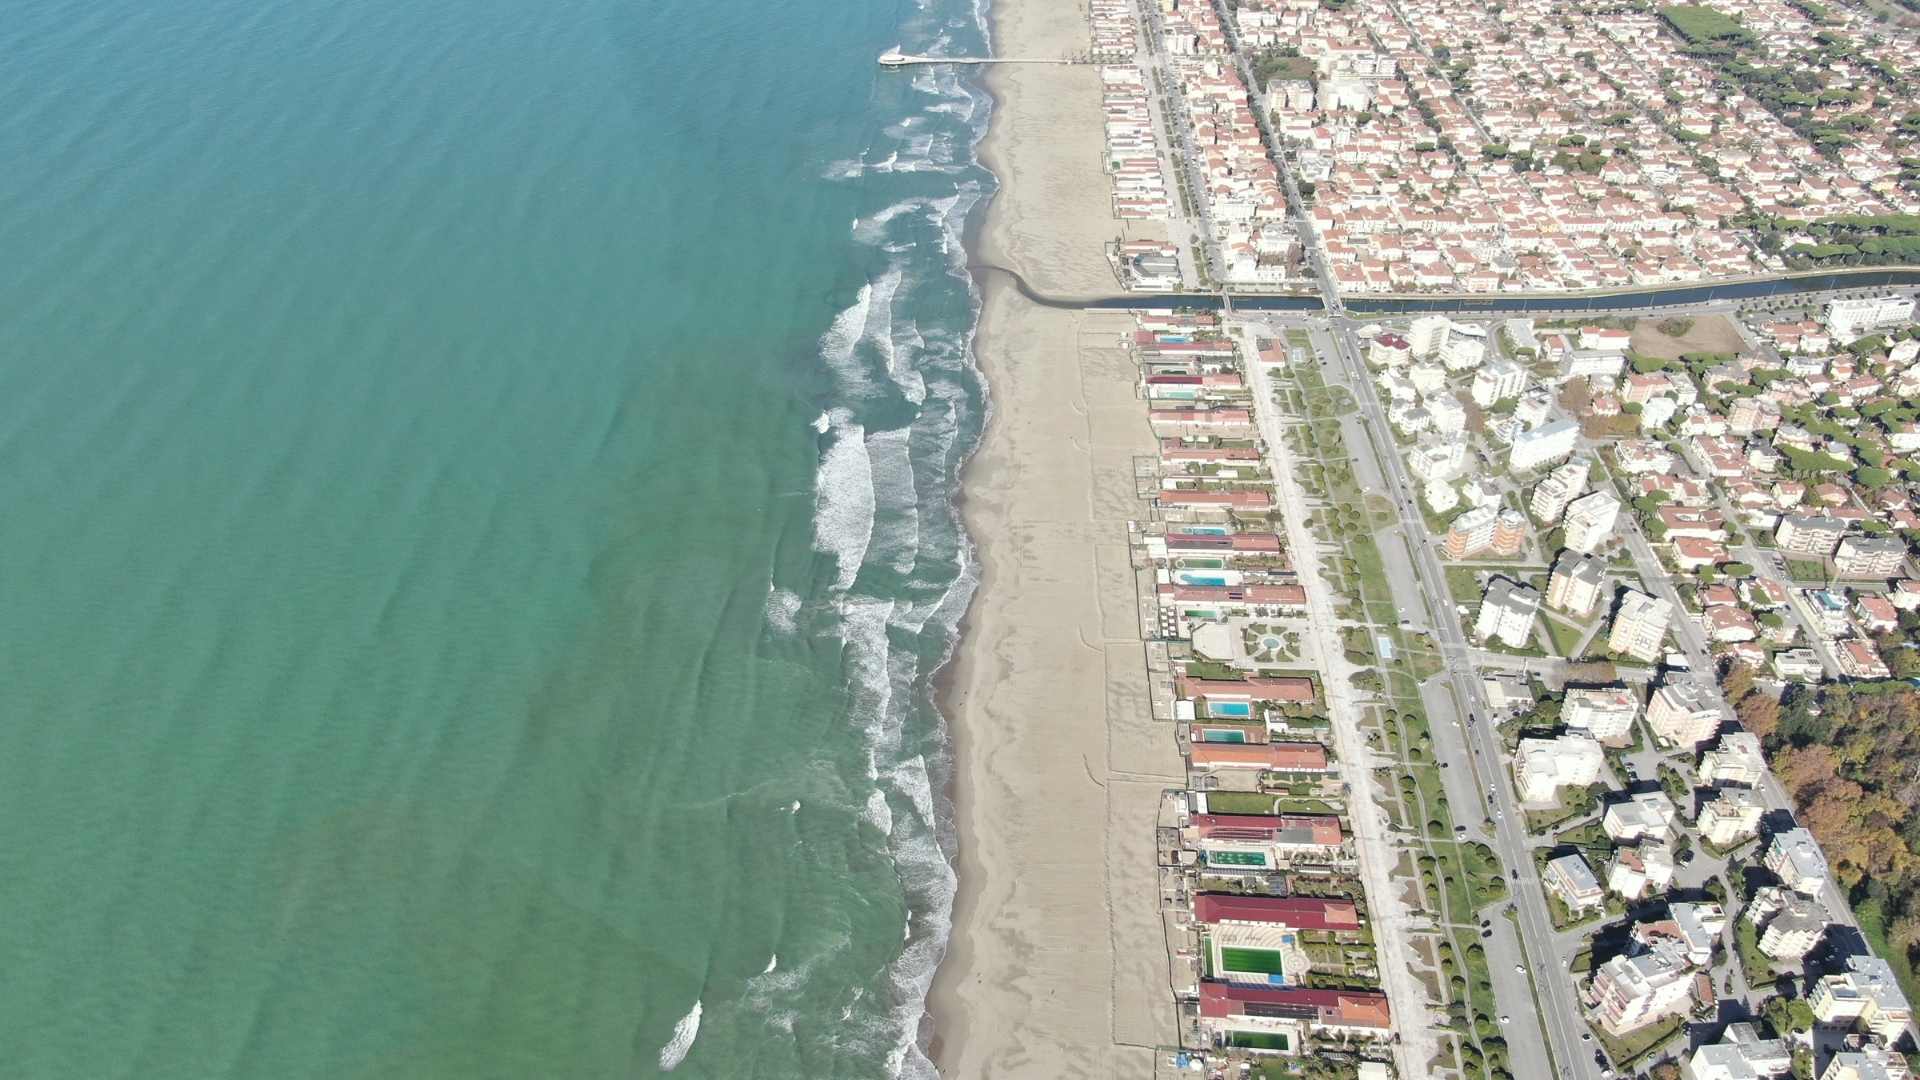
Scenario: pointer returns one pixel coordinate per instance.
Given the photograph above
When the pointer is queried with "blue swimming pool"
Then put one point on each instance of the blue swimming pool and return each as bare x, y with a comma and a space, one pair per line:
1205, 530
1202, 579
1229, 708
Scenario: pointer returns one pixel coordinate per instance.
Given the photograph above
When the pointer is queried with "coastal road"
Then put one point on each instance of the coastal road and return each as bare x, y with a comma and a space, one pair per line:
1473, 745
1373, 842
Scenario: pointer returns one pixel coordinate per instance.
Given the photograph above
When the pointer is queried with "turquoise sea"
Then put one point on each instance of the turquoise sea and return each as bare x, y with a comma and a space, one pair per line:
477, 535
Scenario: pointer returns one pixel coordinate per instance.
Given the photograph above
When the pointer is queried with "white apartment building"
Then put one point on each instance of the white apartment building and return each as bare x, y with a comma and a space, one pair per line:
1590, 521
1648, 815
1790, 925
1507, 612
1547, 443
1573, 881
1604, 712
1870, 556
1541, 767
1865, 993
1741, 1054
1684, 713
1847, 320
1562, 486
1869, 1062
1642, 870
1461, 353
1735, 759
1496, 381
1640, 626
1577, 584
1796, 859
1732, 815
1808, 534
1428, 335
1630, 992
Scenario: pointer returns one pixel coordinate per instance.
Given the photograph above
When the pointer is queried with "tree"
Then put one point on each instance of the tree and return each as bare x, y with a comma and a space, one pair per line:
1738, 682
1786, 1015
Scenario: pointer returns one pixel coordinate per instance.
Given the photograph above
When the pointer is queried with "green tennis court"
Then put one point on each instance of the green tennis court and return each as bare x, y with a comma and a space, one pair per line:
1261, 961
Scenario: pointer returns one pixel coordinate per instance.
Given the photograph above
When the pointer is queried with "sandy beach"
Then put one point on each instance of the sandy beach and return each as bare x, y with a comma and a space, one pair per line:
1058, 964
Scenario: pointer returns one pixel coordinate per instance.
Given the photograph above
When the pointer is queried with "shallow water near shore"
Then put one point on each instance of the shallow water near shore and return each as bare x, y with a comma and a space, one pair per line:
479, 535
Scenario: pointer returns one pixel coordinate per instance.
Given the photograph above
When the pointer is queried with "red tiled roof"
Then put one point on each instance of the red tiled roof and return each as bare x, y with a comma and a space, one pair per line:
1280, 689
1354, 1008
1285, 756
1323, 828
1299, 912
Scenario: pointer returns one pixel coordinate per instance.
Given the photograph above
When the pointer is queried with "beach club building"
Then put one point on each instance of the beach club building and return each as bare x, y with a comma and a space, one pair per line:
1261, 939
1217, 603
1215, 505
1279, 1019
1238, 698
1253, 760
1204, 549
1258, 842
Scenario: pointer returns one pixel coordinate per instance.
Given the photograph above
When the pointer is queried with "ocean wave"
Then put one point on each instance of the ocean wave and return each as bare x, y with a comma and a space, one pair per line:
783, 609
685, 1030
843, 502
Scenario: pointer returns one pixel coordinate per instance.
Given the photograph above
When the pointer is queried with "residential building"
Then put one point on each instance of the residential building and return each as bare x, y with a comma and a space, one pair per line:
1788, 925
1741, 1054
1506, 690
1549, 442
1870, 556
1645, 869
1859, 660
1866, 993
1731, 816
1854, 318
1428, 335
1571, 879
1735, 759
1562, 486
1577, 584
1805, 534
1866, 1062
1485, 529
1604, 712
1497, 381
1541, 767
1470, 533
1796, 859
1631, 991
1639, 626
1684, 712
1509, 533
1696, 926
1798, 665
1590, 520
1507, 612
1647, 815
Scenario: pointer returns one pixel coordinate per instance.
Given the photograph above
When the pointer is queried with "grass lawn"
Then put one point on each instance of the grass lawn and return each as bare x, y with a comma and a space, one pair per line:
1807, 570
1464, 583
1752, 961
1239, 802
1634, 1045
1564, 637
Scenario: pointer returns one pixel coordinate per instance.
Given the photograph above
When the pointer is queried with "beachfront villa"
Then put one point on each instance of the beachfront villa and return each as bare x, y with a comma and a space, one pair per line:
1279, 1019
1262, 940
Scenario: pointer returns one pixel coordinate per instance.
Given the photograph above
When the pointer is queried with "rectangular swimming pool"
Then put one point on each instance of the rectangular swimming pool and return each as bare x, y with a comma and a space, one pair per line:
1229, 708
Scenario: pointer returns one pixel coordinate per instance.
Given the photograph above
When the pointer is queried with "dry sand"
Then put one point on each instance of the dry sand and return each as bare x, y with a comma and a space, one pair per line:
1058, 964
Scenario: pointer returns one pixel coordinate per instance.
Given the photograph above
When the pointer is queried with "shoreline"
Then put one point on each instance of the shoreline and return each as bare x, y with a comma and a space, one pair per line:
1056, 944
